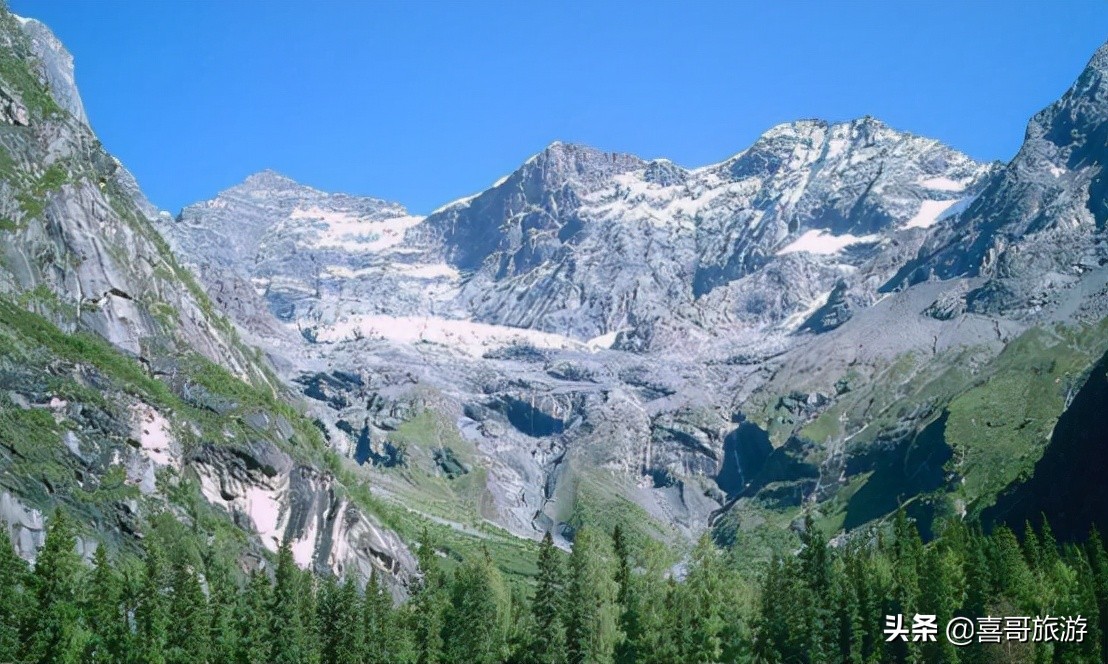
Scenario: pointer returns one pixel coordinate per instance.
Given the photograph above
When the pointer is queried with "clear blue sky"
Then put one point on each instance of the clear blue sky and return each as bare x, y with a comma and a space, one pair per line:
426, 101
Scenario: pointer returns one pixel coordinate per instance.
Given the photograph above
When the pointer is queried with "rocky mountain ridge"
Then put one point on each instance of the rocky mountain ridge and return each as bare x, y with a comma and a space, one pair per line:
124, 391
600, 329
840, 319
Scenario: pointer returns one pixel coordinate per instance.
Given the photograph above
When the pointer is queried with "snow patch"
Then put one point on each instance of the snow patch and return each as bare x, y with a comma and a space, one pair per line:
929, 213
464, 336
427, 271
465, 200
304, 549
944, 184
342, 230
414, 270
836, 147
602, 342
823, 243
797, 319
263, 506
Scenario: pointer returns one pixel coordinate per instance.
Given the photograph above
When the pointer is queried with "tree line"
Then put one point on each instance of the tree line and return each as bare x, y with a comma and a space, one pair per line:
605, 602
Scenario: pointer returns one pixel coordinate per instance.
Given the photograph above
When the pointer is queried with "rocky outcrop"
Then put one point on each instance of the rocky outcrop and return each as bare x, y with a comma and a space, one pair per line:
106, 342
57, 67
76, 234
266, 492
1034, 231
26, 527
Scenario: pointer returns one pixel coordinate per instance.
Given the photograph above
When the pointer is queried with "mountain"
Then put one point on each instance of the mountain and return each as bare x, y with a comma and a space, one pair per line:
837, 321
583, 243
599, 336
1034, 232
125, 393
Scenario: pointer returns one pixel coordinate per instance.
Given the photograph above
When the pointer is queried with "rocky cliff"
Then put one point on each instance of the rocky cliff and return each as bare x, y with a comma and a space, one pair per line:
124, 391
840, 319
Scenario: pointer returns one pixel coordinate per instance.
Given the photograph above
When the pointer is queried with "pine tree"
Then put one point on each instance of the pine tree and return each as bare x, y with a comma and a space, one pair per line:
286, 627
650, 638
308, 606
385, 639
188, 634
847, 618
477, 617
223, 632
1011, 576
706, 589
815, 570
346, 631
152, 615
907, 559
428, 603
1032, 550
327, 604
1081, 600
679, 610
978, 576
521, 628
104, 611
938, 598
771, 629
623, 563
593, 617
1098, 566
548, 645
13, 599
1048, 544
252, 616
55, 631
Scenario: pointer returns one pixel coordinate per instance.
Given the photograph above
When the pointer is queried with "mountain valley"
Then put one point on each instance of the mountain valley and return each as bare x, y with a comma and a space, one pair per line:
840, 320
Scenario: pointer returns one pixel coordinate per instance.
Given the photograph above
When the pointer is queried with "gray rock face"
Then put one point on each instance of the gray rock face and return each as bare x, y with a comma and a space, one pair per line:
78, 247
26, 527
1035, 230
577, 319
583, 243
77, 236
267, 492
57, 65
274, 252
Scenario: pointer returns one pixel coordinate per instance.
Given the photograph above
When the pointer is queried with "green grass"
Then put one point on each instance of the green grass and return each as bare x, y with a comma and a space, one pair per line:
595, 498
82, 347
431, 430
420, 483
758, 533
1002, 409
16, 71
112, 488
52, 179
34, 442
33, 197
1000, 427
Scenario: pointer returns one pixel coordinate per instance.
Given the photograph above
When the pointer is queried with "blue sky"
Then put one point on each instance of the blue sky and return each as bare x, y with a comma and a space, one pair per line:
426, 101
